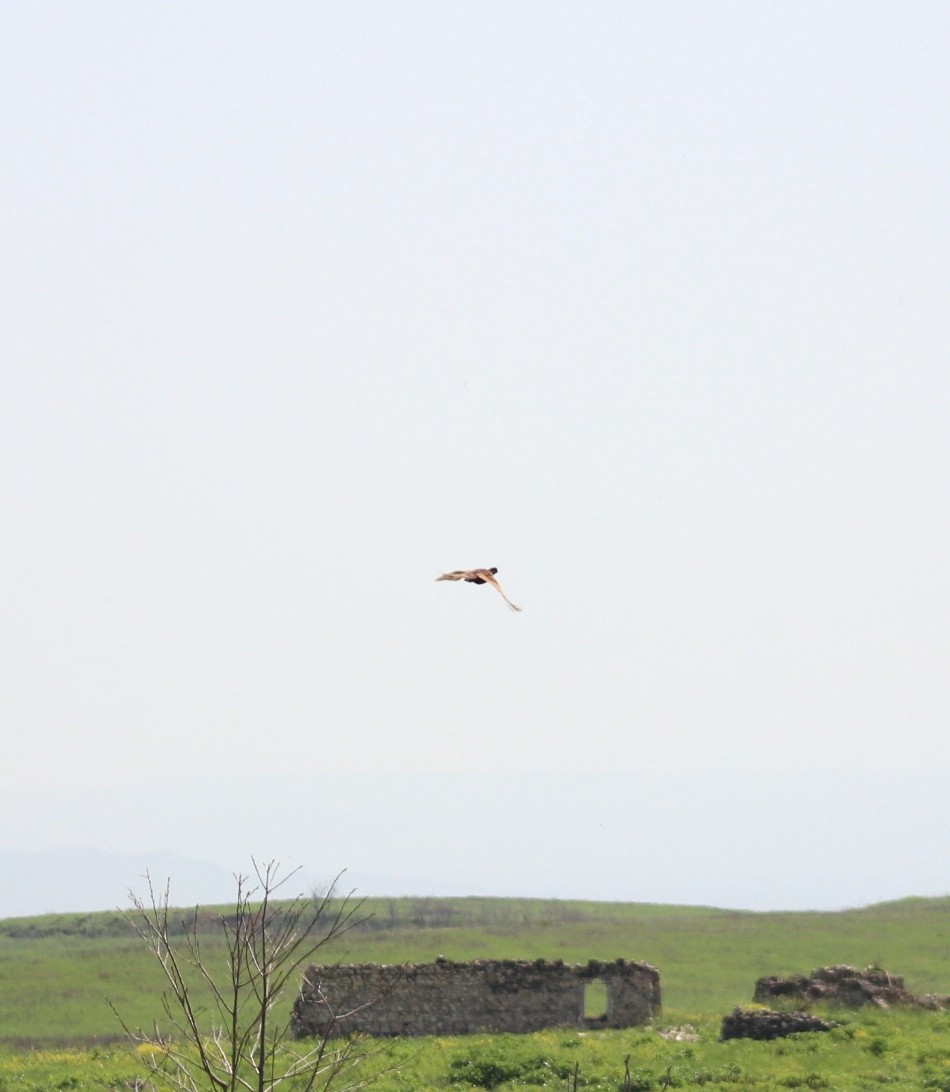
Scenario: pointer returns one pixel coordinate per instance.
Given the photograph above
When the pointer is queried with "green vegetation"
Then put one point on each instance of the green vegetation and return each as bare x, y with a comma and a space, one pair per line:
58, 975
871, 1050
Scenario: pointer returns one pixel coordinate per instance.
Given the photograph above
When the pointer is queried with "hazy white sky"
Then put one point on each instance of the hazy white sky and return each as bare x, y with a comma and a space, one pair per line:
644, 303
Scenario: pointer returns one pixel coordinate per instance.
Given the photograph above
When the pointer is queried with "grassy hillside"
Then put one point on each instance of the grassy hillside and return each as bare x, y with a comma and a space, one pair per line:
59, 973
907, 1050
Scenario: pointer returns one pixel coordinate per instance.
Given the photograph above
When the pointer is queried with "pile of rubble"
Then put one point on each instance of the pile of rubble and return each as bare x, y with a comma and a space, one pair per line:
765, 1024
839, 985
847, 986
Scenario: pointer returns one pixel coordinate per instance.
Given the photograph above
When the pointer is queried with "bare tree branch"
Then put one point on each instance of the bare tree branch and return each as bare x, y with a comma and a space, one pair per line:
238, 1044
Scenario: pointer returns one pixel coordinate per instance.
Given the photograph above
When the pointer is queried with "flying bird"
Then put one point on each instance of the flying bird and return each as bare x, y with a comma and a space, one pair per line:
479, 576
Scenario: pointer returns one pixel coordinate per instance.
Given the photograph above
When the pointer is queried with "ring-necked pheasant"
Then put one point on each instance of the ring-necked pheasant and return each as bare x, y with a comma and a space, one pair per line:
479, 576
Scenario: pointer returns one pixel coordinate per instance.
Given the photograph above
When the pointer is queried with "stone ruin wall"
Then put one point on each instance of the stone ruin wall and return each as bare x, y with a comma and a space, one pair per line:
446, 998
842, 984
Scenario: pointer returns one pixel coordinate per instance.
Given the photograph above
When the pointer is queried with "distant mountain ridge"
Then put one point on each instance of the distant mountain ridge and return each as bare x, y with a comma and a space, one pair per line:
63, 881
78, 880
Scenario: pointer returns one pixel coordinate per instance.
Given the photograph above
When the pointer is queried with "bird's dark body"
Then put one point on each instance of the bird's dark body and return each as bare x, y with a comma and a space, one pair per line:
478, 579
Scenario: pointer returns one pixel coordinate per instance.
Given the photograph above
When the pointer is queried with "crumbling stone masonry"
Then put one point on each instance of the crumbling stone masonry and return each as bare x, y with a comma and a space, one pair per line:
844, 985
446, 998
766, 1024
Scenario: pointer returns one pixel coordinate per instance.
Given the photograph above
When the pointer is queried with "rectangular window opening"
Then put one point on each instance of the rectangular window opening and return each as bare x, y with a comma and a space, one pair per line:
595, 1001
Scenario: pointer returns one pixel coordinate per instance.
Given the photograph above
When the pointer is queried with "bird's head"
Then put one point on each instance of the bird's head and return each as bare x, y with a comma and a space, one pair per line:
493, 570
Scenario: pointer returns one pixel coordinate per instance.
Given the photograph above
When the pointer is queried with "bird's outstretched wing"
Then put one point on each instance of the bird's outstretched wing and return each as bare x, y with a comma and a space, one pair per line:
479, 576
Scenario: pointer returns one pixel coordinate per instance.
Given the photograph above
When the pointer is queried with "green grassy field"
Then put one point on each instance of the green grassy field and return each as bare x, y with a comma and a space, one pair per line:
871, 1050
59, 974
